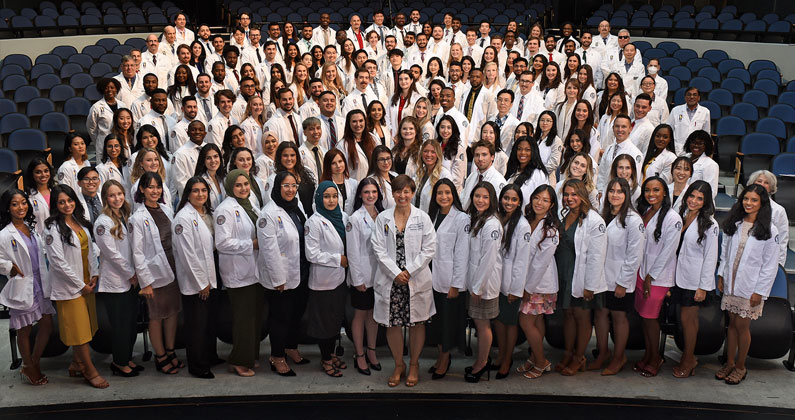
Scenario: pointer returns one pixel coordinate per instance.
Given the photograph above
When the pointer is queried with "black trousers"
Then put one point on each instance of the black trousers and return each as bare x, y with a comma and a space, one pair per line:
280, 314
199, 327
122, 311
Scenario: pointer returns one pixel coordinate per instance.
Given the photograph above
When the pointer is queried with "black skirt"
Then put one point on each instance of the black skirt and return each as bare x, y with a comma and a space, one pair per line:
685, 297
326, 312
624, 304
363, 301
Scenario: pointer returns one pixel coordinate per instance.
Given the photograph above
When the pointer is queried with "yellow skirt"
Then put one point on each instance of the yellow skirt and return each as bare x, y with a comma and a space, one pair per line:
77, 319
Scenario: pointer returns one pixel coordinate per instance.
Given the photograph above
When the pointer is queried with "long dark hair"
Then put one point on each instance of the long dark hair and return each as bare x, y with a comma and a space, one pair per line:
603, 104
299, 169
652, 152
160, 148
477, 220
254, 168
373, 167
644, 205
761, 228
509, 226
626, 206
226, 143
545, 83
174, 89
144, 182
357, 202
5, 209
201, 167
27, 179
614, 169
553, 132
186, 192
327, 159
589, 122
122, 152
433, 209
449, 149
412, 88
117, 131
496, 128
67, 146
551, 220
704, 217
568, 152
535, 162
59, 219
366, 142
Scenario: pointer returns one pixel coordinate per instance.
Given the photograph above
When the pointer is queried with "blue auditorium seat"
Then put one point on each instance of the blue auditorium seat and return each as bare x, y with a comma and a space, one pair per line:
55, 62
756, 66
758, 98
25, 94
85, 59
783, 164
56, 122
79, 81
697, 64
681, 72
8, 161
13, 121
769, 74
667, 63
715, 56
721, 97
784, 112
773, 126
710, 73
64, 51
655, 53
70, 69
98, 70
13, 82
683, 55
741, 74
745, 111
787, 98
11, 70
107, 44
47, 81
19, 59
61, 93
703, 84
668, 46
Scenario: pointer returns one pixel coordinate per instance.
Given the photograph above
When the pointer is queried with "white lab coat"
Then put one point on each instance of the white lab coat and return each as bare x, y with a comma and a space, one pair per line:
625, 147
346, 204
193, 252
41, 210
676, 205
515, 262
551, 155
115, 256
107, 171
392, 120
279, 254
324, 251
758, 264
624, 251
66, 264
427, 189
362, 166
484, 275
683, 125
661, 166
590, 243
420, 248
18, 292
536, 179
640, 135
362, 264
695, 265
387, 200
491, 176
659, 258
542, 272
781, 222
452, 252
457, 166
706, 169
100, 122
234, 240
67, 173
149, 258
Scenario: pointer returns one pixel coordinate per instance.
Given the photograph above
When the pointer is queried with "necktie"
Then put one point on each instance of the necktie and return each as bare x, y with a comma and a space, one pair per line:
172, 50
620, 54
154, 59
381, 34
481, 42
165, 131
292, 127
332, 133
422, 56
395, 79
359, 39
237, 75
470, 104
452, 40
446, 32
585, 56
316, 152
550, 57
480, 178
325, 36
375, 86
206, 103
93, 209
520, 110
500, 121
364, 101
470, 52
259, 58
615, 150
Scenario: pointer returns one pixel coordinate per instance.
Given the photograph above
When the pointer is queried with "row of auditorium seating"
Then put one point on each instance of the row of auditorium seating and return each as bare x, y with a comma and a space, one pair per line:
707, 23
68, 19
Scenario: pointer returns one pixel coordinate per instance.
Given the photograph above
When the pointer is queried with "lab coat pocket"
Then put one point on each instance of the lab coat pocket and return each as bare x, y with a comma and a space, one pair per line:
17, 294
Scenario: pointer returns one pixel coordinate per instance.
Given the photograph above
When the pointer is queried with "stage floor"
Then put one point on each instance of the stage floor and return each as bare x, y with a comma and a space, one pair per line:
768, 384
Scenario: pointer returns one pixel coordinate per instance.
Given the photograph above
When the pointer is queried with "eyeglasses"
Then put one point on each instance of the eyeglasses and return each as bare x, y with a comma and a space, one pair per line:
623, 37
92, 179
290, 186
384, 159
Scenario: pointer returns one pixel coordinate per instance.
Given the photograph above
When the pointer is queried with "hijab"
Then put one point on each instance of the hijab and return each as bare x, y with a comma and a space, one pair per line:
229, 185
291, 207
335, 215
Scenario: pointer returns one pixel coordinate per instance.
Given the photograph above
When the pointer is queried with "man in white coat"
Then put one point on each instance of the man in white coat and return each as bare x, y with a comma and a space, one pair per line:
484, 162
333, 123
641, 126
477, 104
471, 48
253, 53
591, 55
205, 99
285, 122
187, 156
529, 103
155, 61
605, 41
311, 108
164, 124
622, 126
131, 83
504, 119
355, 33
189, 113
216, 128
323, 35
88, 179
631, 70
360, 96
447, 107
688, 118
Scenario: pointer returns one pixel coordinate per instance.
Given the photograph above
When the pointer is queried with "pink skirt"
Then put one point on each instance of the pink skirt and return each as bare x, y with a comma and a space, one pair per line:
649, 307
539, 304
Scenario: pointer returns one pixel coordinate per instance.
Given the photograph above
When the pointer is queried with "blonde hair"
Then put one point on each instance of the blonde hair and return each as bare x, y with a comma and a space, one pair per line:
138, 169
300, 87
422, 169
422, 121
117, 231
261, 119
587, 179
337, 87
496, 77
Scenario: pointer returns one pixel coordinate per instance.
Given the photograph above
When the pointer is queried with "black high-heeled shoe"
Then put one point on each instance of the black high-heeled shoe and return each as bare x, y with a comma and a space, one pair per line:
374, 366
499, 375
468, 369
118, 372
474, 377
436, 375
365, 371
273, 368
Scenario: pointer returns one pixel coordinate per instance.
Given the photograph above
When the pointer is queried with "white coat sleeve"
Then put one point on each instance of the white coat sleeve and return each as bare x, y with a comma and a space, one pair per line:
520, 248
58, 263
458, 168
314, 252
378, 241
553, 161
706, 280
723, 263
428, 247
145, 277
461, 255
186, 242
269, 248
781, 223
227, 243
544, 256
110, 252
636, 243
92, 125
769, 268
6, 261
490, 251
595, 258
356, 253
670, 241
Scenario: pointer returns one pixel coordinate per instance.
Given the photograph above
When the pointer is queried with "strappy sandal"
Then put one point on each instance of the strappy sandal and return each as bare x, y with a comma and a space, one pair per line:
574, 367
75, 370
535, 372
93, 381
724, 372
172, 356
28, 379
527, 366
567, 358
166, 362
681, 372
651, 370
330, 369
394, 380
736, 376
338, 363
374, 366
414, 375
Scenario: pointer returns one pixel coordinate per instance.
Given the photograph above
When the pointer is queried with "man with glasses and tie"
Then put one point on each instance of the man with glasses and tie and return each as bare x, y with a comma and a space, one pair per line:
131, 84
164, 124
504, 119
222, 120
622, 127
88, 179
155, 61
247, 91
360, 96
253, 52
285, 122
333, 123
311, 151
605, 41
528, 103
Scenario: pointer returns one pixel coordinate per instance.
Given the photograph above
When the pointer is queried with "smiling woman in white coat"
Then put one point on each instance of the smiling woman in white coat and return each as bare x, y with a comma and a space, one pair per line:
429, 172
196, 275
73, 277
118, 285
363, 266
746, 273
541, 285
237, 245
39, 179
75, 150
150, 229
335, 169
626, 236
27, 293
449, 268
324, 236
484, 275
580, 260
657, 271
404, 243
697, 257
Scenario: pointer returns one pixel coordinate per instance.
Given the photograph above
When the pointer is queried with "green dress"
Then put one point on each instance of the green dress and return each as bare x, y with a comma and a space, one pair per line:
565, 258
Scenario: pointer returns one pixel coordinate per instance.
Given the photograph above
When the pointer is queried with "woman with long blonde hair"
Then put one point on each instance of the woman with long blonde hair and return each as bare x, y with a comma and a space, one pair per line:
429, 171
422, 112
253, 121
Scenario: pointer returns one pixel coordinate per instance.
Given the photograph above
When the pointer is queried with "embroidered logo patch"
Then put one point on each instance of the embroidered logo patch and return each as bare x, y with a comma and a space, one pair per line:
495, 235
306, 230
641, 228
178, 229
348, 227
49, 239
466, 228
527, 237
261, 223
100, 230
601, 227
678, 225
220, 220
60, 176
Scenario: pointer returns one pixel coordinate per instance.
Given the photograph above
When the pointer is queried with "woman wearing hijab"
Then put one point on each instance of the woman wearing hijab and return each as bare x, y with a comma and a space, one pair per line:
281, 229
324, 234
236, 242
